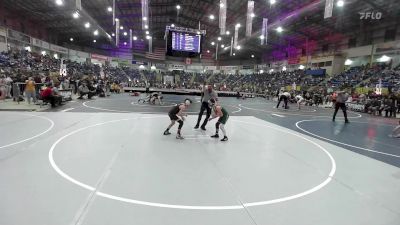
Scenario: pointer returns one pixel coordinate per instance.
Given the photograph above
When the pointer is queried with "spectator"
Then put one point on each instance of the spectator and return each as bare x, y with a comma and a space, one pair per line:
30, 90
84, 90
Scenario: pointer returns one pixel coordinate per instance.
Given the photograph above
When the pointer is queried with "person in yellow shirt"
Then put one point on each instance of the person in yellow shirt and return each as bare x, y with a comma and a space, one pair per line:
30, 90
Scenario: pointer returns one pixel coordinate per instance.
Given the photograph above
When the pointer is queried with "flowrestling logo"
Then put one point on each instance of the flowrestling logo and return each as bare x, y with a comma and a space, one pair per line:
370, 15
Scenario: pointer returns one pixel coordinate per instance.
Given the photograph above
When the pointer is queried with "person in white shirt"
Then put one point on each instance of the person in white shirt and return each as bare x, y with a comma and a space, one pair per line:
299, 100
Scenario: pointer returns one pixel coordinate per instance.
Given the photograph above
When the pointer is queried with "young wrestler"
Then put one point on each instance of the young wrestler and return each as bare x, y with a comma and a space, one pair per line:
176, 114
299, 100
223, 115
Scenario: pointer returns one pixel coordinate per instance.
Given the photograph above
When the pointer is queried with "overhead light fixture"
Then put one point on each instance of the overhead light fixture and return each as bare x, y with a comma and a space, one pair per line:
59, 2
113, 34
238, 47
146, 27
109, 9
222, 46
252, 56
94, 41
141, 67
75, 15
96, 32
384, 58
144, 18
43, 53
219, 38
234, 53
212, 17
262, 37
208, 51
261, 71
340, 3
212, 43
134, 38
301, 67
227, 32
87, 25
125, 43
148, 37
178, 7
279, 29
253, 15
71, 39
238, 25
284, 68
348, 62
271, 70
272, 2
116, 19
153, 68
147, 32
198, 32
125, 33
172, 25
121, 27
55, 56
221, 5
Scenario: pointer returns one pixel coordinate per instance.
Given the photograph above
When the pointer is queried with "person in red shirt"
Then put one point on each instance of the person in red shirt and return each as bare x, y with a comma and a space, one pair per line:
47, 95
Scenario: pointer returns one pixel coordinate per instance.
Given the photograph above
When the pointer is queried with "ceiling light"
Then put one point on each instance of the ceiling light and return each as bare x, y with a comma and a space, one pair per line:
75, 15
146, 27
59, 2
384, 58
252, 56
271, 70
144, 18
348, 62
253, 15
238, 47
172, 25
301, 67
153, 68
94, 41
212, 17
234, 53
141, 67
71, 39
222, 46
116, 19
238, 25
284, 68
125, 43
43, 53
208, 51
147, 32
134, 38
178, 7
109, 9
261, 71
262, 37
272, 2
121, 27
125, 33
222, 5
96, 32
87, 25
148, 37
219, 38
340, 3
113, 34
279, 29
55, 56
212, 43
198, 32
227, 32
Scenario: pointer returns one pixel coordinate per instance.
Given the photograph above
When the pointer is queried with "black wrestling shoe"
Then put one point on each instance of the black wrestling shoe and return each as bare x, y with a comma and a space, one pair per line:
215, 136
346, 121
167, 132
203, 128
196, 127
178, 136
225, 138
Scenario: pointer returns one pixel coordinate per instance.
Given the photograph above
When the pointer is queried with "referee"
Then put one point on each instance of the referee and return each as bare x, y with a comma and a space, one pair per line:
207, 94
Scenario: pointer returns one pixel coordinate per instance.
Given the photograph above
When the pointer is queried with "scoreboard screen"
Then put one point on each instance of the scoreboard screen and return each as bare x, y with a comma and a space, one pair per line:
186, 42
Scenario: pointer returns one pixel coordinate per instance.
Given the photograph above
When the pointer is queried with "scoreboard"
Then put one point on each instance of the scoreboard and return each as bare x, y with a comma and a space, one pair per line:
186, 42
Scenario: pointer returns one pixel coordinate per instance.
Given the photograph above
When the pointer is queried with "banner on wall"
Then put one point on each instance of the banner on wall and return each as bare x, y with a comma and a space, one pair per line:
210, 68
388, 47
140, 63
36, 42
328, 9
248, 67
176, 67
59, 49
18, 36
160, 65
229, 68
99, 57
45, 45
79, 54
191, 67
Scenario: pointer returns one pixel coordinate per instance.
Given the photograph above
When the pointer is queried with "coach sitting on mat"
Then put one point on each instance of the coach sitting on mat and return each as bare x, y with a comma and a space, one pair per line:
207, 94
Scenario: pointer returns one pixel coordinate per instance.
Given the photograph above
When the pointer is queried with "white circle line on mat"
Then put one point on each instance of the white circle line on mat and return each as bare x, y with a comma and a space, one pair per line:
192, 207
342, 143
156, 106
37, 135
296, 114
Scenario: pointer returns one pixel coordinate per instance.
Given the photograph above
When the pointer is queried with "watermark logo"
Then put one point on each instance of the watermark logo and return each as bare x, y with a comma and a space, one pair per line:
370, 15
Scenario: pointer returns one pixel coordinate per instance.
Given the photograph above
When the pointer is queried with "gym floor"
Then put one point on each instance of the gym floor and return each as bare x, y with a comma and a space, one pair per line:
106, 162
